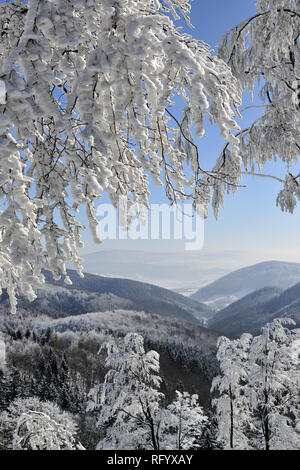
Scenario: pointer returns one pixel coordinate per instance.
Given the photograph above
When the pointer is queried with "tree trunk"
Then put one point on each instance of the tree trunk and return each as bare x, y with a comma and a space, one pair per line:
231, 417
266, 427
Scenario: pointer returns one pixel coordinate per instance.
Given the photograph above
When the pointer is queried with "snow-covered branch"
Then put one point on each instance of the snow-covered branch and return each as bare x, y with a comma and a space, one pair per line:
265, 49
84, 93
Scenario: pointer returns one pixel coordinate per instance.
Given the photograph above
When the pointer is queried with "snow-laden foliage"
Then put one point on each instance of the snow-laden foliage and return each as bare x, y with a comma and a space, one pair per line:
86, 95
129, 399
37, 431
258, 397
265, 49
21, 408
43, 366
274, 395
129, 402
184, 422
230, 405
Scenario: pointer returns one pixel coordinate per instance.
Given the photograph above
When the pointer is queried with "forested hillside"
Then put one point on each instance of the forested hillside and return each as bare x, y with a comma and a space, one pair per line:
253, 311
96, 293
57, 360
242, 282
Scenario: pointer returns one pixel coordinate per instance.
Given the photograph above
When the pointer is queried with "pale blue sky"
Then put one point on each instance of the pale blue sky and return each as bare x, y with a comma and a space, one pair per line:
250, 220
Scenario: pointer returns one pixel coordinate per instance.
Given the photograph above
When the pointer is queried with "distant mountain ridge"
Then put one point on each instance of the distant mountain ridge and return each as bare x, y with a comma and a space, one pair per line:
96, 293
253, 311
172, 267
242, 282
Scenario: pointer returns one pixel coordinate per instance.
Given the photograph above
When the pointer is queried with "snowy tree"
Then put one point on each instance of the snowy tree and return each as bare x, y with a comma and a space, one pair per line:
23, 407
184, 422
231, 407
129, 400
264, 49
274, 386
37, 431
258, 402
86, 96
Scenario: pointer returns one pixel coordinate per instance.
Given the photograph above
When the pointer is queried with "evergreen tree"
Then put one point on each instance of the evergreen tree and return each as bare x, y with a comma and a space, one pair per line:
16, 385
65, 393
4, 390
27, 333
19, 334
48, 383
209, 438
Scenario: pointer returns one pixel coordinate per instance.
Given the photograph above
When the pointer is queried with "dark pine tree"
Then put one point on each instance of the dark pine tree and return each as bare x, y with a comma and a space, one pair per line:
4, 390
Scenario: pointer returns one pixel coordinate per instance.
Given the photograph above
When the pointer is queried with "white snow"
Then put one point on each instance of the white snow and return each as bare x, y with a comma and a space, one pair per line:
2, 92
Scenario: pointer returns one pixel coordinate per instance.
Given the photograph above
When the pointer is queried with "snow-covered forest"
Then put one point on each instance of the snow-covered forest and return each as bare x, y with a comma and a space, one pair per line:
99, 389
89, 95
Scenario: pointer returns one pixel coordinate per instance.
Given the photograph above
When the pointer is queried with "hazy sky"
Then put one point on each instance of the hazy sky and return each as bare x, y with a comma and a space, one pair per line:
250, 221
